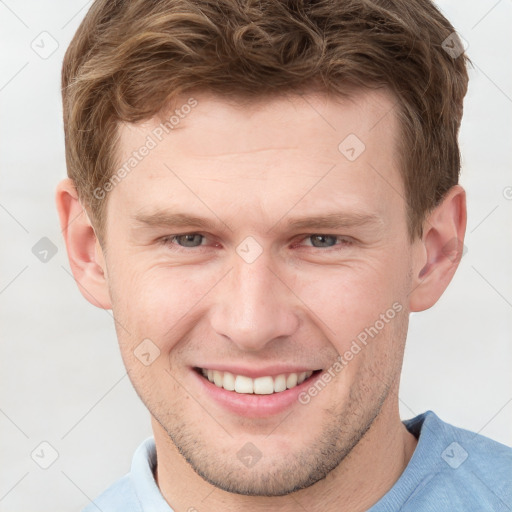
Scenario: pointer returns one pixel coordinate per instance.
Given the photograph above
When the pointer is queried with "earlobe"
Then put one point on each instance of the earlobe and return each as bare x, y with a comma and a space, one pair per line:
84, 251
440, 250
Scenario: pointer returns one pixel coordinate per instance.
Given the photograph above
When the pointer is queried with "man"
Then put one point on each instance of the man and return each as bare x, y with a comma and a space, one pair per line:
262, 192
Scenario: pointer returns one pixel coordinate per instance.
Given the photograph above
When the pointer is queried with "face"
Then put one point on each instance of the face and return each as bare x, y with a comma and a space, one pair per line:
256, 242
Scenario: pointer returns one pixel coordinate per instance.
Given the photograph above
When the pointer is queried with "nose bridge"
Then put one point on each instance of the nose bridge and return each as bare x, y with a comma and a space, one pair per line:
253, 306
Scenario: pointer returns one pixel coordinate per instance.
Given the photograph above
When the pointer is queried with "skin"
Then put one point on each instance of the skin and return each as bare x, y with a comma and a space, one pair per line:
251, 168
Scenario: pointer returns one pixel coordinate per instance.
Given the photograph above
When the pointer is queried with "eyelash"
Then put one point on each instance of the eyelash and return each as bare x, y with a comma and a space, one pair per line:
344, 241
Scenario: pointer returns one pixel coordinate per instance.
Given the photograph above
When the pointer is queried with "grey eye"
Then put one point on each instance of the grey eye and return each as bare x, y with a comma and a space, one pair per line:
323, 240
189, 240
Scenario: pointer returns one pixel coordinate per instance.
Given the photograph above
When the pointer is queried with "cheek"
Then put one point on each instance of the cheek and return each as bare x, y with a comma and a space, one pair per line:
163, 303
157, 303
150, 306
349, 299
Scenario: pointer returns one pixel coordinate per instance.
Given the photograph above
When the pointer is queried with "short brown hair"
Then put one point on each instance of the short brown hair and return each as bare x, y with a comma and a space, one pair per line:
130, 58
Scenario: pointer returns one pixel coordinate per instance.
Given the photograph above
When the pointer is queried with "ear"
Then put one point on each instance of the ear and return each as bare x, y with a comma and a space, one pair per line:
84, 250
439, 251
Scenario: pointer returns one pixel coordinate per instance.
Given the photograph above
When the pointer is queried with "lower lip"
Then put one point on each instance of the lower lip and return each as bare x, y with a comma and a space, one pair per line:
252, 405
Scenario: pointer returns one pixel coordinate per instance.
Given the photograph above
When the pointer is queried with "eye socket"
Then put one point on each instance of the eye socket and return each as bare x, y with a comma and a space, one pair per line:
324, 240
318, 241
189, 240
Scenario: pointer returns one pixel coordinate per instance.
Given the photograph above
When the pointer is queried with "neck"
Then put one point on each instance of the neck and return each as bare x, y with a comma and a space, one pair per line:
363, 477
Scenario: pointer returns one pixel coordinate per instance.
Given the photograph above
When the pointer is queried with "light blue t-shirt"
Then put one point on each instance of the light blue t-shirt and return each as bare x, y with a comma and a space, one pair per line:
451, 470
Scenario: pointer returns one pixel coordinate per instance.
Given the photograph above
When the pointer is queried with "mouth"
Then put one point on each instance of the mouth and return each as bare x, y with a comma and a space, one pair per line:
264, 385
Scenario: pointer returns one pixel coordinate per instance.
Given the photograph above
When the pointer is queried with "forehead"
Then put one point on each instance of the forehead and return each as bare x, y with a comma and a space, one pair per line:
229, 125
263, 157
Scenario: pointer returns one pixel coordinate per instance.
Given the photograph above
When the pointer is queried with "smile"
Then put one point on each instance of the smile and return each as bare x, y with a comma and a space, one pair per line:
265, 385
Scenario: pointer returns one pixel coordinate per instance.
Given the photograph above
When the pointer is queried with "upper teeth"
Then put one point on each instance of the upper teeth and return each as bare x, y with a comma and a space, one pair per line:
258, 386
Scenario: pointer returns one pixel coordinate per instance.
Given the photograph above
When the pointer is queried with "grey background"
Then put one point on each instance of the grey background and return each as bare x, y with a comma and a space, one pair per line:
62, 378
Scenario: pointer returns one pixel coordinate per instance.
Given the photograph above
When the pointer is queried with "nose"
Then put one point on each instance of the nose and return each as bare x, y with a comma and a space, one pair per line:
253, 306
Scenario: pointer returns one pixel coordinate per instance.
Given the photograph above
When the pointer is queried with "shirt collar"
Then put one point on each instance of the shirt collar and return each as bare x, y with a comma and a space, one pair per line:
143, 480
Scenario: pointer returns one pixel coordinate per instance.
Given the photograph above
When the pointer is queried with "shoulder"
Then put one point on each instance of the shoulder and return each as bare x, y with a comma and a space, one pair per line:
119, 497
463, 448
467, 471
137, 491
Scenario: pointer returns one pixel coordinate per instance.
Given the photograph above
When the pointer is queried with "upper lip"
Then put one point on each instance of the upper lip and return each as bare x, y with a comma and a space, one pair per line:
272, 371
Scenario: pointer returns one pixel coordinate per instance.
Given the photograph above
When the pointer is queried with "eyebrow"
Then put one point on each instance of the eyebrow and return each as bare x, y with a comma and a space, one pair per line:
334, 220
179, 220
